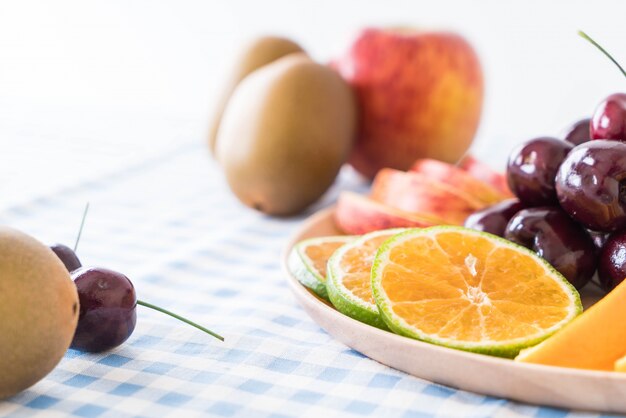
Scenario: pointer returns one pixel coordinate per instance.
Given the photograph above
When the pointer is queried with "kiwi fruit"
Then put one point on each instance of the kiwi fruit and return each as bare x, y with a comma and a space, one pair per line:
285, 133
39, 311
256, 54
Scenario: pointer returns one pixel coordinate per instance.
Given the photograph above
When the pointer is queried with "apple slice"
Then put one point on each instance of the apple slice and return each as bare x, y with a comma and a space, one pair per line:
466, 184
357, 214
416, 193
484, 172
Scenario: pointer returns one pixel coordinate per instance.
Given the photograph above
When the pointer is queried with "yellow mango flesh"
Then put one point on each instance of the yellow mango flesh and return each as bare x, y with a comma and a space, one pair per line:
594, 340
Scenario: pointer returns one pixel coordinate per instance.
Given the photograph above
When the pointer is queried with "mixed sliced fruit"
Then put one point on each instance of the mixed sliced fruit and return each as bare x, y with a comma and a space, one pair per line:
448, 285
506, 282
430, 193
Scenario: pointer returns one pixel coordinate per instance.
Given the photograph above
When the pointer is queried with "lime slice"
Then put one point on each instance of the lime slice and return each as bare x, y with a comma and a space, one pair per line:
307, 261
469, 290
349, 277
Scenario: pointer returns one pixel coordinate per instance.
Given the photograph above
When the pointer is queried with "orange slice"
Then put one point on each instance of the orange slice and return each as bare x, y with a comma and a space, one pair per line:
349, 277
307, 261
469, 290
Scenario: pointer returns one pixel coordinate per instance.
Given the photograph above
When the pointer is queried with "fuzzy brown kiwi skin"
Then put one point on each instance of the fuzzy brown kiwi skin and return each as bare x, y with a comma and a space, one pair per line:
39, 309
261, 51
285, 133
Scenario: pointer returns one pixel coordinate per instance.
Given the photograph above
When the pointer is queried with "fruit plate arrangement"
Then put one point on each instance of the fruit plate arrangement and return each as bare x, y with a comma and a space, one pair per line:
543, 385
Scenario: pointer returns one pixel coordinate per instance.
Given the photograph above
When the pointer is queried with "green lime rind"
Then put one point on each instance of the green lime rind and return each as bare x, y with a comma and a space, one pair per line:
507, 348
302, 267
343, 299
348, 304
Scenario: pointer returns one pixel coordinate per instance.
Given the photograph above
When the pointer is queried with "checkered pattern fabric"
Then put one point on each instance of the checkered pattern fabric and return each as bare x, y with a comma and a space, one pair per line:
172, 226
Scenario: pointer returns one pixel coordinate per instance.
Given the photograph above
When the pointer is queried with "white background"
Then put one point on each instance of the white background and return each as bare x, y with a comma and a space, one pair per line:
88, 85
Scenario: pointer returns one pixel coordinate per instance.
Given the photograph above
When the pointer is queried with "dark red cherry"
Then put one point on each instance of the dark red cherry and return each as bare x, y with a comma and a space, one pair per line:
67, 256
579, 132
493, 219
591, 185
107, 309
609, 119
612, 262
532, 167
553, 235
599, 239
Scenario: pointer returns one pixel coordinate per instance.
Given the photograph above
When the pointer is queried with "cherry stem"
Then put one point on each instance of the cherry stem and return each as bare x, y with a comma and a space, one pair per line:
82, 224
180, 318
604, 51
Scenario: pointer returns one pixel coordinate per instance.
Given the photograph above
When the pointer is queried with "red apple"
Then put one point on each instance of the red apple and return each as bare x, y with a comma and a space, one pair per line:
415, 193
357, 214
466, 184
484, 172
420, 95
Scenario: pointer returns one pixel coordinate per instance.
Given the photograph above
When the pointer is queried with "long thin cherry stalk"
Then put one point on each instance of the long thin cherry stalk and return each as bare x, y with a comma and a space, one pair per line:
180, 318
604, 51
82, 224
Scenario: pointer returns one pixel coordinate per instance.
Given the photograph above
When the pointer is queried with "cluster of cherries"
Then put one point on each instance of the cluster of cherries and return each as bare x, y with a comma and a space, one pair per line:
571, 198
108, 304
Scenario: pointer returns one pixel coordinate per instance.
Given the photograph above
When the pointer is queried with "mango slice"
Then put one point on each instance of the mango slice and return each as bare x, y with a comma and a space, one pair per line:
594, 340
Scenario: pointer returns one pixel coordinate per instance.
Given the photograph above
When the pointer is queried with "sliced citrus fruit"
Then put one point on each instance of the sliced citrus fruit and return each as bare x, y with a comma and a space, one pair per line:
307, 261
349, 277
594, 340
469, 290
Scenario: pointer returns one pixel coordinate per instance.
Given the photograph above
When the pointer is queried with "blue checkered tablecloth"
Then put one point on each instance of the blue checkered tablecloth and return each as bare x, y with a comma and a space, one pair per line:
172, 226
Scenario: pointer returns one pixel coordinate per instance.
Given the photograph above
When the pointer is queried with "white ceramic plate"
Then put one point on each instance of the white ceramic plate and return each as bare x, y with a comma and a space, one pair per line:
542, 385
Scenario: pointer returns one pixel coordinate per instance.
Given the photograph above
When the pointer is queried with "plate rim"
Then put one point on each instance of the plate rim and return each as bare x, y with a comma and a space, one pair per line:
302, 291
